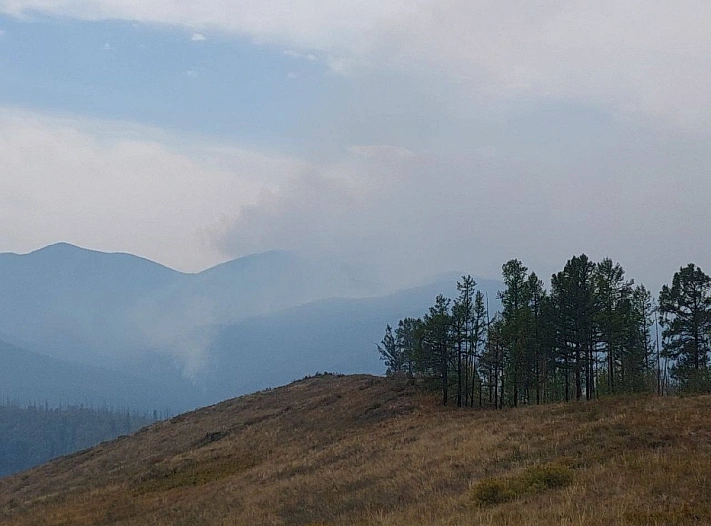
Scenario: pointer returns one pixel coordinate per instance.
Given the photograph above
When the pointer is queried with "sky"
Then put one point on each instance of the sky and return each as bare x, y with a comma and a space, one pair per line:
409, 138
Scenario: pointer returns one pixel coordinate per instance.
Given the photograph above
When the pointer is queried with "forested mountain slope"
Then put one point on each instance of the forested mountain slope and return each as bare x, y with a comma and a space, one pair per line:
31, 378
368, 450
32, 435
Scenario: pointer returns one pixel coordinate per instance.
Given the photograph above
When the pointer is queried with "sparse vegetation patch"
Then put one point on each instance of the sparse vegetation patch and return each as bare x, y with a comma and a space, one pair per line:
533, 480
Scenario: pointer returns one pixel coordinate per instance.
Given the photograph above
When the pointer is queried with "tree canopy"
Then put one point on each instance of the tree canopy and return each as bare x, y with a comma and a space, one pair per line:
592, 333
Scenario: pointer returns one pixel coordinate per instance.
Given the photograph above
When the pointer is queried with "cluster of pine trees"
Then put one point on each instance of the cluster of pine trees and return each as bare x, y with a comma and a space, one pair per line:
593, 332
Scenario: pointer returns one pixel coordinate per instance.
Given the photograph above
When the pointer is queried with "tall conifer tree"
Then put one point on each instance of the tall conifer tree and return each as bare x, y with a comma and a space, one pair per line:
685, 315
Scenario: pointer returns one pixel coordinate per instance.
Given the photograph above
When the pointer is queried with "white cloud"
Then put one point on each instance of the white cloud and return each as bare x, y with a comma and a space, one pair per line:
121, 187
306, 56
642, 57
403, 214
192, 73
107, 47
198, 37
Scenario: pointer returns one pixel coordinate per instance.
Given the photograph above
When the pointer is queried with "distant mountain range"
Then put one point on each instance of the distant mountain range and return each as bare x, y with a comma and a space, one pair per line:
77, 325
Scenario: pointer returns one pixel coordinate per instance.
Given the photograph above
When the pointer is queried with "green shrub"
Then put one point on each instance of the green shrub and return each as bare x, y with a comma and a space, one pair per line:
535, 479
493, 491
550, 476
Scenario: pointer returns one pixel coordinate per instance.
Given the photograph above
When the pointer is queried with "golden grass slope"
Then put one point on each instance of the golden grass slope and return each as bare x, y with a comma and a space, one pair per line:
365, 450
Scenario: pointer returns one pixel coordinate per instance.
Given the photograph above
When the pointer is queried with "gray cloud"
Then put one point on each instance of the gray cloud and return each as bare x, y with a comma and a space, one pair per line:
650, 57
115, 186
467, 133
643, 201
632, 193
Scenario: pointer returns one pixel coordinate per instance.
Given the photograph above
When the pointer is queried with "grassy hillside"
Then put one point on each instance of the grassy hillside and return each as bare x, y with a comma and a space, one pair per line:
365, 450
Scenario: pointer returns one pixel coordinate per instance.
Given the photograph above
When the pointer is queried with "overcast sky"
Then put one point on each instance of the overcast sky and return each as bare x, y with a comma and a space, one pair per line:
413, 137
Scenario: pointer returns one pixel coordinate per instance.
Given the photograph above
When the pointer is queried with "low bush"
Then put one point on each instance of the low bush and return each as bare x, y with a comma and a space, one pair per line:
535, 479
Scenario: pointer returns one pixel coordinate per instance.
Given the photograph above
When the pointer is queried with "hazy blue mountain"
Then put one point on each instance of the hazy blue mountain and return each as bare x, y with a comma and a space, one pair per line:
73, 302
335, 335
122, 311
239, 289
250, 323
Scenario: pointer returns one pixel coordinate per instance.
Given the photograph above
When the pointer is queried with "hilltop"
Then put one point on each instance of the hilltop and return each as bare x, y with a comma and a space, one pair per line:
368, 450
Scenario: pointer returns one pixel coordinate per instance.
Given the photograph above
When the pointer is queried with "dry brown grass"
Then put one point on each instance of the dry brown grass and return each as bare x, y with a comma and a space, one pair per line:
364, 450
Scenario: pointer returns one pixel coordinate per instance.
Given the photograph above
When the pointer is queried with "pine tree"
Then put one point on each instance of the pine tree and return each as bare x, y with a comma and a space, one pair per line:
391, 353
637, 357
515, 323
462, 313
478, 343
437, 342
612, 296
406, 338
536, 340
572, 297
685, 316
